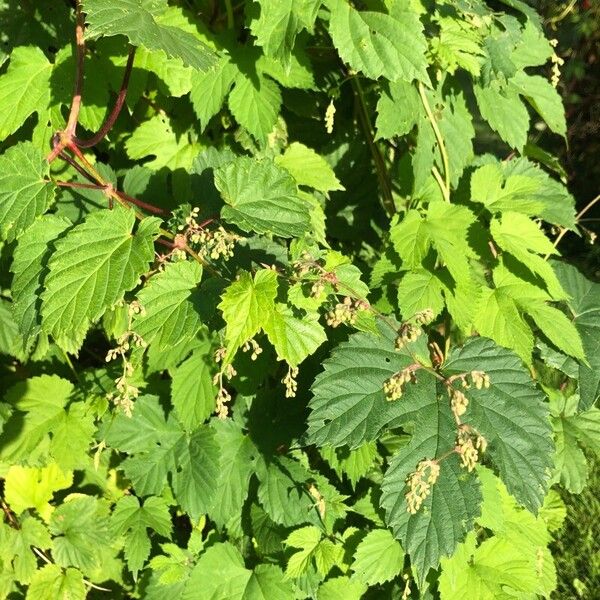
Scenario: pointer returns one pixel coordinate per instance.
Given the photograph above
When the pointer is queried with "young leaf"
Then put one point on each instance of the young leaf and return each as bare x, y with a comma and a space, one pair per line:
247, 305
133, 521
140, 21
92, 267
398, 109
262, 197
53, 583
25, 189
378, 558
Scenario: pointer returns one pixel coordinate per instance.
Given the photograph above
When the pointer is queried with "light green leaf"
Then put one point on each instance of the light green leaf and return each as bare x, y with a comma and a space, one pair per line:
378, 558
169, 302
30, 261
155, 137
39, 403
80, 530
219, 574
267, 583
511, 415
132, 520
308, 168
262, 197
140, 22
247, 305
25, 190
52, 583
192, 390
520, 236
544, 98
419, 290
29, 487
341, 588
352, 463
72, 436
255, 102
24, 89
348, 405
90, 270
378, 44
502, 108
294, 338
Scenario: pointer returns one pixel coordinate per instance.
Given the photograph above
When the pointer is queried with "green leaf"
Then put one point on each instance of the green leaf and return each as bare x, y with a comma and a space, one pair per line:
210, 89
52, 583
544, 98
308, 168
29, 265
355, 464
25, 88
72, 436
502, 108
348, 405
378, 44
267, 582
262, 197
448, 512
169, 305
255, 102
398, 109
140, 22
584, 306
313, 547
378, 558
80, 530
238, 461
132, 520
247, 305
25, 190
29, 487
511, 415
294, 338
90, 270
192, 390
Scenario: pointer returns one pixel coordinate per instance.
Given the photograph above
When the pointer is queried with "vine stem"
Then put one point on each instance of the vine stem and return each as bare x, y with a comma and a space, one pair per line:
229, 9
580, 214
114, 114
363, 115
440, 140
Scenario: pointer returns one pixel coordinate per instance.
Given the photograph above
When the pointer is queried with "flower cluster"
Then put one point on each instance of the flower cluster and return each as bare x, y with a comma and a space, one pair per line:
469, 445
557, 63
480, 379
345, 312
410, 330
420, 483
458, 402
394, 386
126, 391
291, 385
223, 396
254, 346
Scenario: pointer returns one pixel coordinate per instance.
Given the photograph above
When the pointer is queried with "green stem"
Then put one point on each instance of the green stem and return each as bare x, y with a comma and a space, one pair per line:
363, 115
229, 9
440, 140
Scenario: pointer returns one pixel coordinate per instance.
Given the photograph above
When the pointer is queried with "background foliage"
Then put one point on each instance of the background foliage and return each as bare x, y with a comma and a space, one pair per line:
283, 310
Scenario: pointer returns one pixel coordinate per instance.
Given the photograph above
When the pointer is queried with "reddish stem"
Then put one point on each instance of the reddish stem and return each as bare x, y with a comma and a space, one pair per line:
78, 86
77, 184
77, 167
111, 119
149, 207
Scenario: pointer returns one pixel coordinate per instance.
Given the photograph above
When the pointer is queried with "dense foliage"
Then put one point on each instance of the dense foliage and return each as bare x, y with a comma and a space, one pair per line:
283, 313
